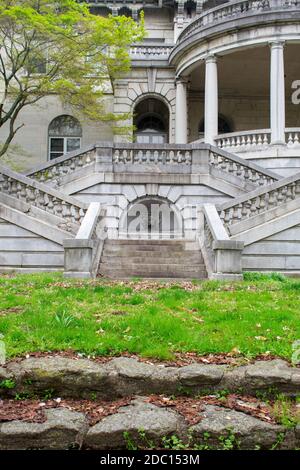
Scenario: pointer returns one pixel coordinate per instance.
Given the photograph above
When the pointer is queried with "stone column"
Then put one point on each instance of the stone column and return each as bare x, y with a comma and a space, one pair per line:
277, 93
211, 100
181, 111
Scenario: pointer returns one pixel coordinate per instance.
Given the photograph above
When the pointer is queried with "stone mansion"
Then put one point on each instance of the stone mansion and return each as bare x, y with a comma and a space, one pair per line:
214, 91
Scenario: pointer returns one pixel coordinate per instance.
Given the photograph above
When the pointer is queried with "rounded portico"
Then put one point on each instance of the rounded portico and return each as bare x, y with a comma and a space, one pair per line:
238, 75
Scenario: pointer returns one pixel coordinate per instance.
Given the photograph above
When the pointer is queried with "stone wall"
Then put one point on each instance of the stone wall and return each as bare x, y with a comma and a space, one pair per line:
25, 250
280, 252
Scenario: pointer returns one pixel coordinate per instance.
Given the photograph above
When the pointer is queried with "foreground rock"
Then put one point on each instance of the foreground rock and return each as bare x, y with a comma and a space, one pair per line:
121, 377
144, 425
222, 428
140, 424
63, 429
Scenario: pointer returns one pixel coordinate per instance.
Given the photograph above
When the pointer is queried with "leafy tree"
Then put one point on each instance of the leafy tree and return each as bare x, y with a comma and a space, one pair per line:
59, 47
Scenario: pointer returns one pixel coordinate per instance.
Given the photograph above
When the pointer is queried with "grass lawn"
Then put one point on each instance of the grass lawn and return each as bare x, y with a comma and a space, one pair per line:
46, 312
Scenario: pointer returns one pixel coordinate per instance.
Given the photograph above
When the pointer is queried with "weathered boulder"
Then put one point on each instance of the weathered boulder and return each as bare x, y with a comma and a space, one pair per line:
66, 377
139, 423
120, 377
139, 378
200, 376
63, 429
264, 375
242, 430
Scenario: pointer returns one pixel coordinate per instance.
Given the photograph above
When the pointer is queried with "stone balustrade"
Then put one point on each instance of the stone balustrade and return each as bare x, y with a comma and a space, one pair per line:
55, 170
260, 201
241, 168
234, 10
167, 159
247, 140
292, 136
164, 155
150, 51
40, 196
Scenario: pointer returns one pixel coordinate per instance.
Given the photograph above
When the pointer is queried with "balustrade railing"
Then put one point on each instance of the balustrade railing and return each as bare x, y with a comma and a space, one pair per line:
149, 51
260, 201
55, 170
233, 10
246, 140
242, 169
165, 155
42, 197
292, 136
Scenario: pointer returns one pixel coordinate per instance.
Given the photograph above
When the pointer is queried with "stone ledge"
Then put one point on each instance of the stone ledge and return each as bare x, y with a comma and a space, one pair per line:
141, 424
62, 430
121, 377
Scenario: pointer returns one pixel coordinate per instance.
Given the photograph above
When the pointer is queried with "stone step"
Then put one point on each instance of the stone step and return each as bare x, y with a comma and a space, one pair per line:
150, 273
150, 248
137, 260
147, 242
159, 259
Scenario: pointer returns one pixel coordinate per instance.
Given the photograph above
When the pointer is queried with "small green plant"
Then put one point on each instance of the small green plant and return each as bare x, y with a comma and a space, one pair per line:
174, 443
279, 440
130, 444
64, 320
285, 412
222, 395
94, 396
23, 396
48, 394
7, 384
143, 436
228, 441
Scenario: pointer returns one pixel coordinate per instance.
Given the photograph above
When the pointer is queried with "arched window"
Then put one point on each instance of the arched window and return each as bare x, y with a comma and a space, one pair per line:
65, 135
151, 122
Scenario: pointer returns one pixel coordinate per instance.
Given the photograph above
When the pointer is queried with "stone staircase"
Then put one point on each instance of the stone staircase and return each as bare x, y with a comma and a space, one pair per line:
152, 259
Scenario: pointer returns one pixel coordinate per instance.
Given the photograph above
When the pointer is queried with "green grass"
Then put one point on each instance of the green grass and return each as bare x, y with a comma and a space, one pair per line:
46, 312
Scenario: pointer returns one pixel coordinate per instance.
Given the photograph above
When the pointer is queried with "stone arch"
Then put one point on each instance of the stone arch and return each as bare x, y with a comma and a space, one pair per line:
153, 112
128, 95
151, 217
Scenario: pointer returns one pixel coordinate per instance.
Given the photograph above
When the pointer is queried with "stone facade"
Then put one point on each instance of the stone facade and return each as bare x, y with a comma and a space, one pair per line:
214, 101
181, 36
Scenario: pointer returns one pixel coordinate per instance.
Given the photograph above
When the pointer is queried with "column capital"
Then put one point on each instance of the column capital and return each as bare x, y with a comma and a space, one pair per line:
277, 44
211, 59
181, 80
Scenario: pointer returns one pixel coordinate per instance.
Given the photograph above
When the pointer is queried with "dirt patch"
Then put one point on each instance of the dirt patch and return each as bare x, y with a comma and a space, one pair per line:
180, 359
190, 408
33, 410
11, 310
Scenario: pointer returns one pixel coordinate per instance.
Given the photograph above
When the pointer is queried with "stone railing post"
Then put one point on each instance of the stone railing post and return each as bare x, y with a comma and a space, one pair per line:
228, 257
104, 158
200, 161
222, 256
82, 251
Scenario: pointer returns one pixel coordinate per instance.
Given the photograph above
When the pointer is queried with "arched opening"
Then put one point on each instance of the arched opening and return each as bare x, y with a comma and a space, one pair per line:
125, 11
65, 135
151, 121
151, 218
224, 126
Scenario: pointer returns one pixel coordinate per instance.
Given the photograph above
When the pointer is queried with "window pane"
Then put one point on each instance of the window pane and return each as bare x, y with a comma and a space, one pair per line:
73, 144
57, 145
